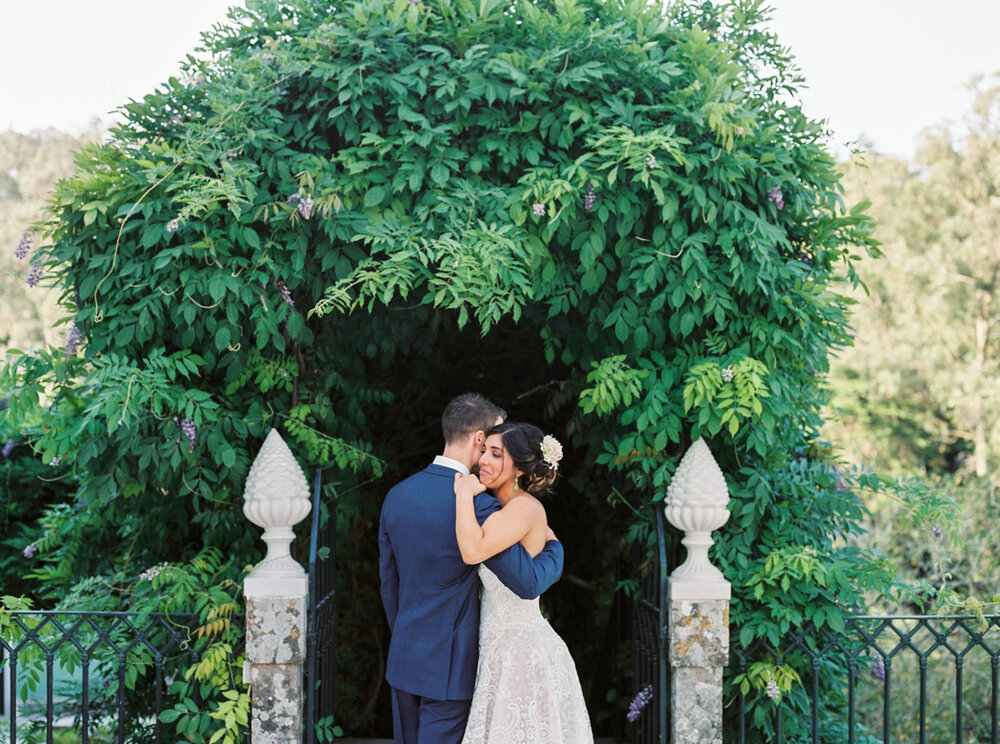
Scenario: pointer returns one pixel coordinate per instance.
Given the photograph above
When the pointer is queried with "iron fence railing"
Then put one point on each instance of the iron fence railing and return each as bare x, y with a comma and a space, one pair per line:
320, 664
919, 679
103, 675
649, 641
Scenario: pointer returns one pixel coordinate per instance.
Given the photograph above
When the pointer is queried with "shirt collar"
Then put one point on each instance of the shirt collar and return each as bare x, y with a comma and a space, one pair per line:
450, 463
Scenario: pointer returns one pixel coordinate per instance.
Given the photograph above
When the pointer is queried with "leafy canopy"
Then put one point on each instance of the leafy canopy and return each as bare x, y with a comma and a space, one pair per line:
613, 213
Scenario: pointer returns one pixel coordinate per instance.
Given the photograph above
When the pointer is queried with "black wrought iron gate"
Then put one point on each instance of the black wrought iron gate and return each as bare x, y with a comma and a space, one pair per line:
320, 666
648, 713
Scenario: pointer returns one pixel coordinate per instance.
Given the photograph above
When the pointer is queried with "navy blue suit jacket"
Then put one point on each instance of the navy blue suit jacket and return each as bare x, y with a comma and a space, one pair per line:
431, 597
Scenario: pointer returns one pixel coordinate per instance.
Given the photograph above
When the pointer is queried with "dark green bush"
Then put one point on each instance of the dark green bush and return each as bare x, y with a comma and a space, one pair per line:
615, 221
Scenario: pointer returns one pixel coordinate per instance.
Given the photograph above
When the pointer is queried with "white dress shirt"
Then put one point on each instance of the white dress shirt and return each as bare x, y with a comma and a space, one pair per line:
450, 463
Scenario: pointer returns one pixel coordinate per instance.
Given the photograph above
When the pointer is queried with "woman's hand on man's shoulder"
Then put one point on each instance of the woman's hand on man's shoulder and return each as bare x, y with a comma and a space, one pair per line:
467, 485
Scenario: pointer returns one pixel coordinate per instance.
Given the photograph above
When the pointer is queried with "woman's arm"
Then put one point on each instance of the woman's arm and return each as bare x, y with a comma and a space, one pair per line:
502, 529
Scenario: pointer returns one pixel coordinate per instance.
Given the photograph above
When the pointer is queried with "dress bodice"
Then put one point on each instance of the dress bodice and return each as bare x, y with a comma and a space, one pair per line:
501, 608
527, 689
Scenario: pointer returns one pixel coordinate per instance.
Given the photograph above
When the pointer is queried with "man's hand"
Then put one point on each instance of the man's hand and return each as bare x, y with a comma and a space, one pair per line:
467, 485
549, 534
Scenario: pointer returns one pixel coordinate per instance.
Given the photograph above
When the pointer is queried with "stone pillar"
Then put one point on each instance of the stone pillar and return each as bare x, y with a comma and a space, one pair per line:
699, 600
276, 498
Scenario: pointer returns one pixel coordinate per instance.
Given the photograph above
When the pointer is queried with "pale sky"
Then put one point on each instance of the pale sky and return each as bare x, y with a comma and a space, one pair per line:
879, 69
65, 62
887, 69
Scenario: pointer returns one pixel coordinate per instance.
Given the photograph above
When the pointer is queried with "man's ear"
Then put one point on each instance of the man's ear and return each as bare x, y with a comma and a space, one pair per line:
480, 438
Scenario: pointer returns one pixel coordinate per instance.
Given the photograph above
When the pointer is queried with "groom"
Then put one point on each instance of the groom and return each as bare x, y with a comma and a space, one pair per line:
431, 597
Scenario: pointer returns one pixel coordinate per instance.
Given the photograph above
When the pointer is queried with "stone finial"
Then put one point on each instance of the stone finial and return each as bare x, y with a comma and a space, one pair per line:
276, 498
696, 503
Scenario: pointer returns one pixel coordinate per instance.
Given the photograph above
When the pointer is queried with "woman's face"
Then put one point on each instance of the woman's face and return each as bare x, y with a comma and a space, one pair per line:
495, 465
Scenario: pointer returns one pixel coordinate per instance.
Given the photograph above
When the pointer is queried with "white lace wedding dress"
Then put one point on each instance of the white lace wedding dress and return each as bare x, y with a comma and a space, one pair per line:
527, 690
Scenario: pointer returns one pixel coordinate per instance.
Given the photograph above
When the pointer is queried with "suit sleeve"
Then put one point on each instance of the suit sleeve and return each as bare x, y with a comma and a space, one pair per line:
388, 573
527, 577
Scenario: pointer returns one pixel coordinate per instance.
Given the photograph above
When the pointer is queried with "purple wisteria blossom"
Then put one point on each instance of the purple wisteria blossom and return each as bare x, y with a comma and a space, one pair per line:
938, 534
651, 162
305, 207
589, 198
29, 551
639, 702
878, 668
75, 337
173, 225
773, 691
8, 447
189, 430
538, 210
839, 484
23, 246
34, 274
286, 295
292, 199
727, 374
54, 462
775, 195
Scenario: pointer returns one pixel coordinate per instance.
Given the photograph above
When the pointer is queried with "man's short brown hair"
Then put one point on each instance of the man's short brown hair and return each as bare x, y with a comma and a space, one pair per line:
468, 414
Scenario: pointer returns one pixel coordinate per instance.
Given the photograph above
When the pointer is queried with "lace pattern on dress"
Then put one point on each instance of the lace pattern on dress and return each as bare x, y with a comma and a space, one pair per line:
527, 689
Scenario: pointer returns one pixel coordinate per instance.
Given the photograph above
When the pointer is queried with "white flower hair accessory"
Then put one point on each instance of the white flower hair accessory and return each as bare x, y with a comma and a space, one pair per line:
552, 451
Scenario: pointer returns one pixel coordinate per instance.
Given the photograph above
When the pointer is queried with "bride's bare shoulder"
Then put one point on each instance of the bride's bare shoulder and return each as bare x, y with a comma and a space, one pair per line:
529, 507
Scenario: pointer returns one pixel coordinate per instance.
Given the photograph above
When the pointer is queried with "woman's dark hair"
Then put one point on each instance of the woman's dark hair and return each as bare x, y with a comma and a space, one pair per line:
523, 442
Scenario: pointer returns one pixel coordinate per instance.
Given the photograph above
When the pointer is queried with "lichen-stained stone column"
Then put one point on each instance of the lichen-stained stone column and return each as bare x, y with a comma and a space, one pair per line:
699, 600
699, 651
276, 498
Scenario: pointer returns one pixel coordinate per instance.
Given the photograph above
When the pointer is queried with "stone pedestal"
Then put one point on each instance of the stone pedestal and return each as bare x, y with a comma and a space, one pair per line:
276, 592
699, 601
699, 651
276, 653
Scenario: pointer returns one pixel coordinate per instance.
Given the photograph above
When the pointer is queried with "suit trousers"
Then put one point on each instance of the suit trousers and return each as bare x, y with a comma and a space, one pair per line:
421, 720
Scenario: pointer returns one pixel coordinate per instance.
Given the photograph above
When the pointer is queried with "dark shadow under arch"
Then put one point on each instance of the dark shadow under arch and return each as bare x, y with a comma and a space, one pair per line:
429, 364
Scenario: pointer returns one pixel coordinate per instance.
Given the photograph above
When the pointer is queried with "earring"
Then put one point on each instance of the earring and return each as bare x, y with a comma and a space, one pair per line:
517, 485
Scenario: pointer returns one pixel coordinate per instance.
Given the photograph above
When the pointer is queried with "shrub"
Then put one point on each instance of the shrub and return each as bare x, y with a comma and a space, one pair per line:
613, 219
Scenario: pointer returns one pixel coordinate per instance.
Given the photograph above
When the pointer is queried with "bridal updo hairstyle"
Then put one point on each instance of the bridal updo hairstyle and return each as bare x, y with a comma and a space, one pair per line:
523, 442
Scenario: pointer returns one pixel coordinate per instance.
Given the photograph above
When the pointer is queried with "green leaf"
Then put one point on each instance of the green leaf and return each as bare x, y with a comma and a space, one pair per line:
251, 237
171, 715
439, 174
221, 337
375, 196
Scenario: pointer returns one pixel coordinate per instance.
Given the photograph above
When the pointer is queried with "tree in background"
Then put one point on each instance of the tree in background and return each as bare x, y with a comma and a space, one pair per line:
921, 389
29, 167
612, 218
917, 395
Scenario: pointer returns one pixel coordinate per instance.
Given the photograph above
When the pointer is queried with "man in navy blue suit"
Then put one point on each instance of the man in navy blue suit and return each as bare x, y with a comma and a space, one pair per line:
431, 597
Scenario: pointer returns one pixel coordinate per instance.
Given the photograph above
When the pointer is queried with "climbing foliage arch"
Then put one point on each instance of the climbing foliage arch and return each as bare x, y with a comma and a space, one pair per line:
615, 216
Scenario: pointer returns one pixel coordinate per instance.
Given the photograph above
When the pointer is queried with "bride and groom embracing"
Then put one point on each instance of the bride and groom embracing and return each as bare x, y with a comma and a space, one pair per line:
458, 673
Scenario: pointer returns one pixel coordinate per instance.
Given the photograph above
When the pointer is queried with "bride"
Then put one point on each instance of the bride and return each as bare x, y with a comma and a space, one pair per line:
527, 690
